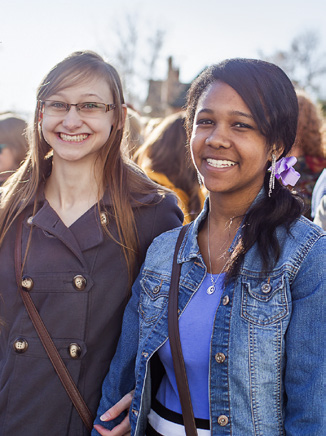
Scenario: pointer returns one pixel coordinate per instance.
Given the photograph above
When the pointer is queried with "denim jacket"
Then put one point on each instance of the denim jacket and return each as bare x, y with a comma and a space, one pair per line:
267, 358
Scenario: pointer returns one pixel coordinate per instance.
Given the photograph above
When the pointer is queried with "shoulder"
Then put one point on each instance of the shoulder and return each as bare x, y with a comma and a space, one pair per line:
305, 232
161, 250
304, 242
300, 243
159, 216
158, 207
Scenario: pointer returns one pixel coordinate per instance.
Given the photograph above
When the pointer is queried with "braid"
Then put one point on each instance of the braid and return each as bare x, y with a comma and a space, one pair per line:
261, 221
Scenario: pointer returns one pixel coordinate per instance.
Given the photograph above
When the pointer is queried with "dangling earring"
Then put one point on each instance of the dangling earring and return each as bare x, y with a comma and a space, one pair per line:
271, 184
200, 180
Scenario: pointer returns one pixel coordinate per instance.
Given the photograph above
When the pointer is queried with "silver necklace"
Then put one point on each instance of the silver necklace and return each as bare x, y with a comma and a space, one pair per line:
211, 289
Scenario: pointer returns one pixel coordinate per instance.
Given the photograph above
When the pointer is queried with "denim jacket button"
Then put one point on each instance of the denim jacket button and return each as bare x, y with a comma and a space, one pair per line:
266, 288
222, 420
220, 357
225, 300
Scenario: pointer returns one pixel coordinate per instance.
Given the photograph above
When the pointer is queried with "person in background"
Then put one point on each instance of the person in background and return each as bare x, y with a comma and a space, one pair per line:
251, 298
13, 144
133, 137
320, 217
87, 215
309, 148
165, 158
318, 202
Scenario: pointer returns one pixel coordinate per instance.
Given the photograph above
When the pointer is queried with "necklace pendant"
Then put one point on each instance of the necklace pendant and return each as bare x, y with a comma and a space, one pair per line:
211, 290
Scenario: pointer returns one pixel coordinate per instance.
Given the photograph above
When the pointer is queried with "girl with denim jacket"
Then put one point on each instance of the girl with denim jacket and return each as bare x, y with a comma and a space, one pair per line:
252, 286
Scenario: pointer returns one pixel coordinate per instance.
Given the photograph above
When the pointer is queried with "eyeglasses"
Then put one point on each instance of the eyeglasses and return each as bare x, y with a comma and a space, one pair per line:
87, 109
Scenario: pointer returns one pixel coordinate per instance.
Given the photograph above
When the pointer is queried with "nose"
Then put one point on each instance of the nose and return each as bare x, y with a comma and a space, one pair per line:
218, 137
72, 119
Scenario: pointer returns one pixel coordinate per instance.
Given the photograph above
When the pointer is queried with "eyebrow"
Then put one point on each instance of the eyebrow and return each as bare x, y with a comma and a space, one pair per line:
242, 114
234, 113
86, 95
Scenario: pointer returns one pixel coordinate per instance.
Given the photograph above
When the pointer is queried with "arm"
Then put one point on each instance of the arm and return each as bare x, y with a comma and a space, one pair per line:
305, 371
122, 429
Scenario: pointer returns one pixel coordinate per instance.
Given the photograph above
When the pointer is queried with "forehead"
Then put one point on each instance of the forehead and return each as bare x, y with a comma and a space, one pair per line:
93, 88
219, 95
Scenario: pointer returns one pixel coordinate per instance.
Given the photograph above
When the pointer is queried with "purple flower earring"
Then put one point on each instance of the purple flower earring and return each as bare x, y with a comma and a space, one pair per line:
283, 170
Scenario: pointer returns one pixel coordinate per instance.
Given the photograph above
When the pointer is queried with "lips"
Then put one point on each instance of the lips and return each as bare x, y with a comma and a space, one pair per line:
73, 138
220, 163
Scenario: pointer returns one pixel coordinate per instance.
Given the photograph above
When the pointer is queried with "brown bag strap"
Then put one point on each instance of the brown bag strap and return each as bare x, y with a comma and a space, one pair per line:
46, 340
176, 350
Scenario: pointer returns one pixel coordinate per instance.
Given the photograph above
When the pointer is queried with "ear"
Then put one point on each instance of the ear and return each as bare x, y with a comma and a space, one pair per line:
277, 151
124, 116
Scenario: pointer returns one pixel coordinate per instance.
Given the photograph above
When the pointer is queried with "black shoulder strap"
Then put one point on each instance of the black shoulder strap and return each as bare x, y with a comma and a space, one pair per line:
176, 350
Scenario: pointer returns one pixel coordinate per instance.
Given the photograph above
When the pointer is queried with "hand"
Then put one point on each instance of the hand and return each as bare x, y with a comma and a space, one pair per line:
122, 429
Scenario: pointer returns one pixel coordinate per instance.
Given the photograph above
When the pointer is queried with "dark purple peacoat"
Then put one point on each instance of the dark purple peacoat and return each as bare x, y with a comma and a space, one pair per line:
79, 283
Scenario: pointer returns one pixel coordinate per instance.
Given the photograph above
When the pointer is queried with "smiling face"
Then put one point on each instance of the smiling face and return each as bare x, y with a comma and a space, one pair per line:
74, 137
227, 148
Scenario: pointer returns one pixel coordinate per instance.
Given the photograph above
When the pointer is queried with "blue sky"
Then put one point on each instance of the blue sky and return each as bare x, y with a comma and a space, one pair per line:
36, 34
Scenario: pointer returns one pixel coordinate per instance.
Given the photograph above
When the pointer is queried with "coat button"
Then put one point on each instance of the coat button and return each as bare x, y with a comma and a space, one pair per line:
75, 351
225, 300
20, 345
266, 288
80, 282
30, 220
222, 420
219, 357
104, 218
27, 283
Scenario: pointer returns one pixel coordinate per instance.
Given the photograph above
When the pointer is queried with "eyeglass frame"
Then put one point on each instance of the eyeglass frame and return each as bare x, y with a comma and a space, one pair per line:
108, 107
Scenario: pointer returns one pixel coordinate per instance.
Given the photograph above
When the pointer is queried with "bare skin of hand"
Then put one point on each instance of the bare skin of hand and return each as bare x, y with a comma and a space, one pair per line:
122, 429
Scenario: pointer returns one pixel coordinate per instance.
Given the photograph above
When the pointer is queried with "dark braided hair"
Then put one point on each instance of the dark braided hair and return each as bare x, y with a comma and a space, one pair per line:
272, 101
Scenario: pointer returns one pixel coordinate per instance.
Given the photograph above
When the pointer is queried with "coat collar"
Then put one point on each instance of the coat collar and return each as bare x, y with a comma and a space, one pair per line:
86, 232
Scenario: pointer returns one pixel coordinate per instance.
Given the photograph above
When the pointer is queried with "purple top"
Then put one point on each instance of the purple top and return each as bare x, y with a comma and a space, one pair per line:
195, 324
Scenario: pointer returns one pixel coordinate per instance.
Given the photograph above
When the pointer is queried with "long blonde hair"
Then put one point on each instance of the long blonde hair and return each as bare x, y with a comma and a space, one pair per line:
121, 175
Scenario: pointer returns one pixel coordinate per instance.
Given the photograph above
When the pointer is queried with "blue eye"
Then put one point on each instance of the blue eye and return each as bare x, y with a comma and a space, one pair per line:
89, 105
58, 105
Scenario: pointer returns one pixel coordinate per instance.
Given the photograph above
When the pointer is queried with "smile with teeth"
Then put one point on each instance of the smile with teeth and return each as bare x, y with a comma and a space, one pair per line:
220, 163
73, 138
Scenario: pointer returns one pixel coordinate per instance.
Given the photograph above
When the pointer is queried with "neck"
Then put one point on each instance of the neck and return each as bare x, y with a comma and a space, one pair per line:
71, 190
225, 208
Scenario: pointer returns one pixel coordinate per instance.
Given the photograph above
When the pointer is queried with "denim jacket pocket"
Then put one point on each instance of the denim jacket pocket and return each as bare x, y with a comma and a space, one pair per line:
154, 296
264, 302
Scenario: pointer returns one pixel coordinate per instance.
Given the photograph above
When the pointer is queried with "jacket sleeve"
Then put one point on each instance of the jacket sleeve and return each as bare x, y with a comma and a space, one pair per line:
121, 376
305, 371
